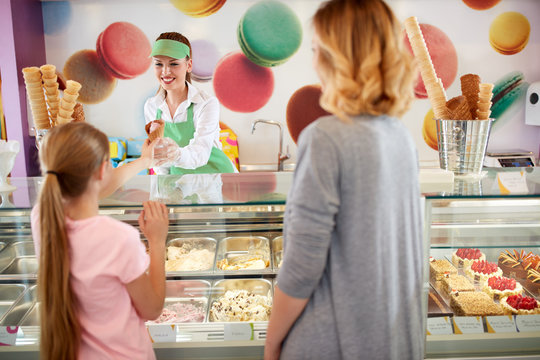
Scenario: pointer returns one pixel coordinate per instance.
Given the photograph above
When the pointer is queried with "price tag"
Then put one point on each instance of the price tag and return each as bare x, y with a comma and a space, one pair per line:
8, 335
238, 331
512, 183
468, 325
439, 326
526, 323
500, 324
162, 332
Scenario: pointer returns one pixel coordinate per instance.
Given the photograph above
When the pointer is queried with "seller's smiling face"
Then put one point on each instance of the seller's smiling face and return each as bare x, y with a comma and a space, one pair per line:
170, 72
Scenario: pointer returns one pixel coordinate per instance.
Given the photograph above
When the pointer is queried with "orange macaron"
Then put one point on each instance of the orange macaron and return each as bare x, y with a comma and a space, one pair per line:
84, 67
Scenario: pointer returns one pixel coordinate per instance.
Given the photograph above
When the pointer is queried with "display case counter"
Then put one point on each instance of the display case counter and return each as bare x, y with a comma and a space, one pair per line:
496, 212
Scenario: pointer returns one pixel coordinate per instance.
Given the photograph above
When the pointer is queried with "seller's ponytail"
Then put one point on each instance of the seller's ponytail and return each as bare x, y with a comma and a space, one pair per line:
70, 155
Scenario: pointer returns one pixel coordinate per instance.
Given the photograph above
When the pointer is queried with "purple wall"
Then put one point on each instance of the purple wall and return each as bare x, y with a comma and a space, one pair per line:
23, 44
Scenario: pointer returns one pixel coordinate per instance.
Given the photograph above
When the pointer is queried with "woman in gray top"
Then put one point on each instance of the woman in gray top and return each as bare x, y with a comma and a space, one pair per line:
351, 280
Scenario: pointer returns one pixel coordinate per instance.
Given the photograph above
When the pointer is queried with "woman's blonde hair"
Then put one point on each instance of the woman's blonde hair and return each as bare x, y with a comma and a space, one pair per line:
70, 155
362, 60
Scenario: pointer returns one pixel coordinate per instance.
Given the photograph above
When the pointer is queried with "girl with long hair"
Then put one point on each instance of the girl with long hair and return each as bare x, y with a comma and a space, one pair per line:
96, 283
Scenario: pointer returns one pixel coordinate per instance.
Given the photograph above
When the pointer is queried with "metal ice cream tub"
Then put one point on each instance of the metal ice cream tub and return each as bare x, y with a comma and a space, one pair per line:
20, 308
244, 253
18, 258
194, 245
277, 251
183, 296
260, 287
9, 294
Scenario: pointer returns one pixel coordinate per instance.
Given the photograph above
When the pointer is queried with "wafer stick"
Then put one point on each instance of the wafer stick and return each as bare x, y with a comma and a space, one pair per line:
434, 88
484, 101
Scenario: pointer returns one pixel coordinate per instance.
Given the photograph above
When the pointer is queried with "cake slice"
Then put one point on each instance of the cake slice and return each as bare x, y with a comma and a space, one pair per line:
438, 268
471, 303
453, 282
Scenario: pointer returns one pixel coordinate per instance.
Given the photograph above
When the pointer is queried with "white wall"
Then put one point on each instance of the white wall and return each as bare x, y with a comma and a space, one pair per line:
121, 113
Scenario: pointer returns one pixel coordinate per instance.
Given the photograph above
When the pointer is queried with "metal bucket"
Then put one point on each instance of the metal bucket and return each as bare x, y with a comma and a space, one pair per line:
463, 144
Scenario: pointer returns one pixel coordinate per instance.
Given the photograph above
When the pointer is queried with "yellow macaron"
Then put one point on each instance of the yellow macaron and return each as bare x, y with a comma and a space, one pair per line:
429, 131
509, 33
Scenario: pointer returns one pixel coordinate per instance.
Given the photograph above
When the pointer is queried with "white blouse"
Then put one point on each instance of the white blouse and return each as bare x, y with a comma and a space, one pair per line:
205, 121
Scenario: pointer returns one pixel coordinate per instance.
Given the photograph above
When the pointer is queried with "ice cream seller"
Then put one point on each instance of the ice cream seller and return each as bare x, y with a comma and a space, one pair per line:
191, 116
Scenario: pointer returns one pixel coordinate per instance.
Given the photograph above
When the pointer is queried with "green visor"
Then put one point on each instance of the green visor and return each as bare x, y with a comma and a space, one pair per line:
171, 48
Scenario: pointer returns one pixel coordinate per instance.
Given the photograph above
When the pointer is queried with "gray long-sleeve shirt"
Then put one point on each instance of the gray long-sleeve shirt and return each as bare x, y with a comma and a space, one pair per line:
353, 242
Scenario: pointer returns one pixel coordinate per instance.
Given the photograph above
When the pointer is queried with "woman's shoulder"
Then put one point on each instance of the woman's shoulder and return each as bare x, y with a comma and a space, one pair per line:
199, 96
154, 101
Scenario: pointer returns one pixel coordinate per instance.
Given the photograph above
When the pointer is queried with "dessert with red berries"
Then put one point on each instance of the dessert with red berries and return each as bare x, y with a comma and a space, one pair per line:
464, 257
439, 267
500, 286
520, 305
474, 303
453, 282
511, 263
481, 270
533, 282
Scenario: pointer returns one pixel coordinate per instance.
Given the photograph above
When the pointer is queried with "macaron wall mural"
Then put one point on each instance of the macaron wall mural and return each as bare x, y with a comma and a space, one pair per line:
255, 57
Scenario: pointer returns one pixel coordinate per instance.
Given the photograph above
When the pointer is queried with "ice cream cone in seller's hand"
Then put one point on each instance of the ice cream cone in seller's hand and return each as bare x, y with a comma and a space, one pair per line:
155, 129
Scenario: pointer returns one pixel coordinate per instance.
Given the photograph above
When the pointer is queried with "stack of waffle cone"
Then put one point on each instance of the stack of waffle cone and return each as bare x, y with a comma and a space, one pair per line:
157, 133
484, 101
50, 84
36, 98
458, 108
68, 102
433, 84
470, 87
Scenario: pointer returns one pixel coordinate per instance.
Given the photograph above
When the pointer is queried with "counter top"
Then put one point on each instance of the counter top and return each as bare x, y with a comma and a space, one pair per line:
271, 188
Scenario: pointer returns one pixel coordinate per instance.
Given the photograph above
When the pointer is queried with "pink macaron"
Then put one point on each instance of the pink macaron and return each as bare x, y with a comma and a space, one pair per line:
124, 50
443, 56
240, 85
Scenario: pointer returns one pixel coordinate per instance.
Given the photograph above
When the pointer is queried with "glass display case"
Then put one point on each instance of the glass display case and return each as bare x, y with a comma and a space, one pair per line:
234, 222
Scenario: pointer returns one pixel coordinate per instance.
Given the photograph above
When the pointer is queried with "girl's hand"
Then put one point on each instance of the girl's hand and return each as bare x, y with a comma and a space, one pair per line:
147, 152
154, 222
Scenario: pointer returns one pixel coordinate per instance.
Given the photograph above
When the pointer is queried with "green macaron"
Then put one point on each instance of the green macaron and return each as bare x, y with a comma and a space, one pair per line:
269, 33
508, 93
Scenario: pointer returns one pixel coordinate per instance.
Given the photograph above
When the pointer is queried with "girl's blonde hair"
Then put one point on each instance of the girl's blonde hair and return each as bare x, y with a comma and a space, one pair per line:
362, 60
70, 155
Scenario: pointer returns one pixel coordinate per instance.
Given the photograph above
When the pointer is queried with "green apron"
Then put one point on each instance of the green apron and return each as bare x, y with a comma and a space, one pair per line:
182, 133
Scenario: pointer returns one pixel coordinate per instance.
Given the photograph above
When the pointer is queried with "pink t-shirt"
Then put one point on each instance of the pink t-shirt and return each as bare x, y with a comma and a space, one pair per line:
106, 254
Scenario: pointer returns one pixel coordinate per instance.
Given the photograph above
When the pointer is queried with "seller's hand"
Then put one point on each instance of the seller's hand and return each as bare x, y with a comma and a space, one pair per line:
154, 223
166, 152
